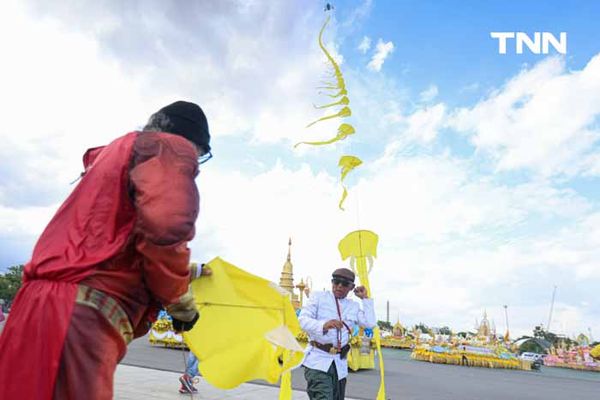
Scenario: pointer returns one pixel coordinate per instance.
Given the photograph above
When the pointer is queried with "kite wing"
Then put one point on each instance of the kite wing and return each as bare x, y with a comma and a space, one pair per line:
359, 244
246, 330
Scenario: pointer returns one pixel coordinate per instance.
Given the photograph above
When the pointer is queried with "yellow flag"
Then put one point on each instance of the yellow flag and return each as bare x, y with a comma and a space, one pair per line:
247, 329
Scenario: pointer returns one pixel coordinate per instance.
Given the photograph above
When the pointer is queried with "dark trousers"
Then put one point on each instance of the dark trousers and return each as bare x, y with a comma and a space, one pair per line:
324, 385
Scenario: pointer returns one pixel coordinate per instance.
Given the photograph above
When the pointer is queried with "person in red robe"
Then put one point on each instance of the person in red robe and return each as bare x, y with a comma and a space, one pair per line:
112, 255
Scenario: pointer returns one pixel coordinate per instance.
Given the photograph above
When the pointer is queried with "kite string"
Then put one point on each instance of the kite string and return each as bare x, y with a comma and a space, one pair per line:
241, 306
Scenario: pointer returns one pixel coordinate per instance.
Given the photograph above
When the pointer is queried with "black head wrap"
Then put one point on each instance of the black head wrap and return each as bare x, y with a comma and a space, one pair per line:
185, 119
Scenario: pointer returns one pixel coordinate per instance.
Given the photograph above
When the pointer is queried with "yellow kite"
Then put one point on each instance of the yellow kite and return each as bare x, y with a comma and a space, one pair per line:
360, 247
344, 131
340, 85
246, 331
343, 113
348, 163
343, 101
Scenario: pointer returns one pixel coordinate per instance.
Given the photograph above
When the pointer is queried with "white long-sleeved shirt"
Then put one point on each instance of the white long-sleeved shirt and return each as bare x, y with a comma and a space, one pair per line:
320, 309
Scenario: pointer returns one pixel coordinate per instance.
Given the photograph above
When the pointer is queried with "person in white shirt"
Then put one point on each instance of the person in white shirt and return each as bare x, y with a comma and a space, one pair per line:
329, 319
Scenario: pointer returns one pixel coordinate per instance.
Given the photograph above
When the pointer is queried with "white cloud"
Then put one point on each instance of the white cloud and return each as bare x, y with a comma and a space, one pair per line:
382, 51
429, 94
423, 124
357, 14
446, 236
453, 241
365, 44
248, 219
543, 120
56, 105
215, 54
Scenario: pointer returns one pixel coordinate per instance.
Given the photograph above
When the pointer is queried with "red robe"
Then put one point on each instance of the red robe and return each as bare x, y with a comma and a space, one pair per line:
123, 230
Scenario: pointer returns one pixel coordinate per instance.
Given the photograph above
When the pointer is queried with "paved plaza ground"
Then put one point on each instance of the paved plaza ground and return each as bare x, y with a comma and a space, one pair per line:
134, 383
406, 379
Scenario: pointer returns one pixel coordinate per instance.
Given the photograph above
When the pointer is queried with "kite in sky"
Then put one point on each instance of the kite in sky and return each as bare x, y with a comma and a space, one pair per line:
347, 163
338, 86
343, 131
361, 247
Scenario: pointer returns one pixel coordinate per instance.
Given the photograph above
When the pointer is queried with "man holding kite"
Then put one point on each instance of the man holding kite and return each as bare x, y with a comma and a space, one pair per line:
112, 255
329, 319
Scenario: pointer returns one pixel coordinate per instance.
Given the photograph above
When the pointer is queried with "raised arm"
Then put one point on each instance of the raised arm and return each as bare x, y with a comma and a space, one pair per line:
167, 203
366, 316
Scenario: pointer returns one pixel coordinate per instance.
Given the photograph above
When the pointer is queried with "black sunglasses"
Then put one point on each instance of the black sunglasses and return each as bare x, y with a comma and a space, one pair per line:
343, 282
204, 158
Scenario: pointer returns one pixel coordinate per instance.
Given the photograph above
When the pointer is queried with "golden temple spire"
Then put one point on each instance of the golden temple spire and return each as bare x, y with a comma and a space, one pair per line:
287, 274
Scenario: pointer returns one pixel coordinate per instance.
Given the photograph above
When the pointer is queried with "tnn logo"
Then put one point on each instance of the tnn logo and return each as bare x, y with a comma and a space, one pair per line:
539, 44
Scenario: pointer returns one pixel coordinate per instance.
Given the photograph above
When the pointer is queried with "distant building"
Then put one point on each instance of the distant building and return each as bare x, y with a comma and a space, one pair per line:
286, 281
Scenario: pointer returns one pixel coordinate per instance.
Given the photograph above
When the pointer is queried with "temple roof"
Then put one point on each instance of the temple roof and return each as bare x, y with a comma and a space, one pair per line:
288, 267
286, 281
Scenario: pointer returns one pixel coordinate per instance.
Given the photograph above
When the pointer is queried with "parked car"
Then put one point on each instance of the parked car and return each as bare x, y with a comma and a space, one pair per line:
537, 360
529, 356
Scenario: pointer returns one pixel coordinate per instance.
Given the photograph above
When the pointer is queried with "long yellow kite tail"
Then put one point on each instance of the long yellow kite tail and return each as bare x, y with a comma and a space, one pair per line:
343, 101
348, 163
344, 195
344, 130
361, 267
336, 67
381, 391
285, 388
342, 92
363, 274
339, 84
335, 139
343, 113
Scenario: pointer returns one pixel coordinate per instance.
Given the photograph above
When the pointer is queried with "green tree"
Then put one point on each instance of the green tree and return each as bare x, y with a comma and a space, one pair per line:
445, 330
384, 326
424, 328
10, 283
531, 346
553, 338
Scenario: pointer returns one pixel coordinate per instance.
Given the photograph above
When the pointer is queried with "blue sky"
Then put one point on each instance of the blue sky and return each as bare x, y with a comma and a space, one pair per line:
480, 170
454, 47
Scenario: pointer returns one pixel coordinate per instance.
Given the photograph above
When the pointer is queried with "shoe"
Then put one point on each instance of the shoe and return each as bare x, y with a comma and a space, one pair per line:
183, 390
187, 384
